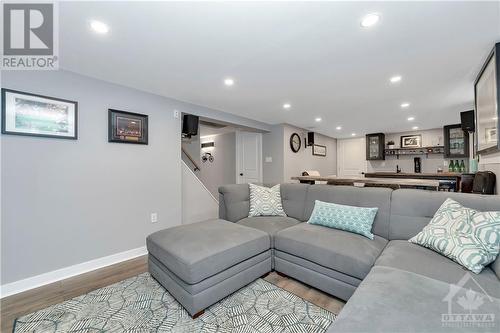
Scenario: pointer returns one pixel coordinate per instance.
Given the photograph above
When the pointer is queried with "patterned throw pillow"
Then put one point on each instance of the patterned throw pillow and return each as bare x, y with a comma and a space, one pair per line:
348, 218
464, 235
265, 201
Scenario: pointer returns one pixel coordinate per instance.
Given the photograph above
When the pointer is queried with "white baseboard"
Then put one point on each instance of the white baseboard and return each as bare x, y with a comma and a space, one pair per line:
67, 272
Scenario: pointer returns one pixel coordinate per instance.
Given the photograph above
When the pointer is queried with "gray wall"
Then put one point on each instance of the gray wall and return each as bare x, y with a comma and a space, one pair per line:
272, 148
296, 163
223, 169
286, 164
66, 202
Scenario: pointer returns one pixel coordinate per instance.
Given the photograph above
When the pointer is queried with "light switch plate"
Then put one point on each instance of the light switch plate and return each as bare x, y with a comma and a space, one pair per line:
176, 114
269, 159
154, 217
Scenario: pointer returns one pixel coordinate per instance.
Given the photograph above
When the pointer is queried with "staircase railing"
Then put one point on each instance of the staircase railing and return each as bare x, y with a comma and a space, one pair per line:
193, 162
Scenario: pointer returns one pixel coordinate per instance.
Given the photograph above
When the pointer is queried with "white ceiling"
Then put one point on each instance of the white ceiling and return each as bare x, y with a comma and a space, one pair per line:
312, 55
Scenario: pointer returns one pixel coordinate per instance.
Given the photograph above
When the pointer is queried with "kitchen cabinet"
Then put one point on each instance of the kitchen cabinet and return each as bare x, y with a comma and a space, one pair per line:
456, 142
375, 146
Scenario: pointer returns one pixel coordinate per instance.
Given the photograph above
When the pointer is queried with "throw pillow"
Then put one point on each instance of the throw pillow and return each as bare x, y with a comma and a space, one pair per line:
466, 236
265, 201
348, 218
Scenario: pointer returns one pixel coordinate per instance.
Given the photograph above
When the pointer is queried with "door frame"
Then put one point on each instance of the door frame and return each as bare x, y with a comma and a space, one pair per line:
238, 152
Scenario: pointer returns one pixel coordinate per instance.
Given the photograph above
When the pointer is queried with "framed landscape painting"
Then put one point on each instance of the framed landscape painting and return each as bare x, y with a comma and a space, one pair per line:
486, 102
127, 127
36, 115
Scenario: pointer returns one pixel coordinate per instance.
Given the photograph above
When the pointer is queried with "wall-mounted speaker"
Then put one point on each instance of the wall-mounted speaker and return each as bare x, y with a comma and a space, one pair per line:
310, 138
189, 125
467, 121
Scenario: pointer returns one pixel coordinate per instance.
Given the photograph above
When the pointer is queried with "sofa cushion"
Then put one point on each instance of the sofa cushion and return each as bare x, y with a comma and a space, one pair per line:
197, 251
354, 196
417, 259
464, 235
265, 201
343, 251
411, 210
293, 197
269, 224
349, 218
234, 202
393, 300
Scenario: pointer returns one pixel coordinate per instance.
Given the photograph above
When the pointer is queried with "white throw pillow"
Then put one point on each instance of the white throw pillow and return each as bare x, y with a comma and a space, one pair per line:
265, 201
466, 236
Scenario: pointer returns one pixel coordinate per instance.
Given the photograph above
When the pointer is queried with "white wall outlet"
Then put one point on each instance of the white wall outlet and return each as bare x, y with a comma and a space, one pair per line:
154, 217
176, 114
269, 159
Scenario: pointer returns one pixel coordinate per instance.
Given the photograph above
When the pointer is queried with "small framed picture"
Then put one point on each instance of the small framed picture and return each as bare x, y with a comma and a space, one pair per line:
411, 141
319, 150
36, 115
127, 127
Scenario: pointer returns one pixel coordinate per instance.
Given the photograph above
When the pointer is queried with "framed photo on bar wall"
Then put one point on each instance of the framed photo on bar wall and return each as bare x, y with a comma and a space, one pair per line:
411, 141
37, 115
127, 127
486, 103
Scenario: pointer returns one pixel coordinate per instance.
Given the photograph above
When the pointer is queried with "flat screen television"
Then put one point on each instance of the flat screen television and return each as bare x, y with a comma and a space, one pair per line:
486, 104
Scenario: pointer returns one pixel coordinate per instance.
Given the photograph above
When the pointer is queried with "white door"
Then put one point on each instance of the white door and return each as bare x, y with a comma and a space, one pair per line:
351, 157
248, 157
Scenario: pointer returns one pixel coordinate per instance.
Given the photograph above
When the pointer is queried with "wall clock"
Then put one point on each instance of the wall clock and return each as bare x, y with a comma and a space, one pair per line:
295, 142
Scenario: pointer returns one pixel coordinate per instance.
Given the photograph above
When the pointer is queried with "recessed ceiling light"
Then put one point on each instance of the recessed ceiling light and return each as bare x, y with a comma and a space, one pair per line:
99, 27
395, 79
338, 128
286, 106
353, 134
414, 128
411, 118
405, 105
228, 82
370, 20
318, 119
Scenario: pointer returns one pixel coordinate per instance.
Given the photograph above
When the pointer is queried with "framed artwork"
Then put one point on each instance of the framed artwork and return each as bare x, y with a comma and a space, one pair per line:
411, 141
36, 115
127, 127
486, 103
319, 150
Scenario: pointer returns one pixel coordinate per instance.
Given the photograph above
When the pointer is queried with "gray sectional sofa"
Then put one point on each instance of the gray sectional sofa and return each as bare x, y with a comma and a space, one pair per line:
390, 284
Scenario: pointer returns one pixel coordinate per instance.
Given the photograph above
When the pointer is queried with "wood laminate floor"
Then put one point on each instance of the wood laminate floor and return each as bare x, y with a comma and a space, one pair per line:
39, 298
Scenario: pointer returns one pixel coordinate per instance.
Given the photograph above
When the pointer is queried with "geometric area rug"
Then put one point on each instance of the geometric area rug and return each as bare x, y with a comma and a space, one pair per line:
141, 305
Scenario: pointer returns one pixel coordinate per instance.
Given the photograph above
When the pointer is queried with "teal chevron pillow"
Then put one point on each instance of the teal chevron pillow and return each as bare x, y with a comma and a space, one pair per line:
466, 236
348, 218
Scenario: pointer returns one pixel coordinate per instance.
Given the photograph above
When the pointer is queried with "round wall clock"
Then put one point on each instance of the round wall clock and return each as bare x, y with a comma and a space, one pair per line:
295, 142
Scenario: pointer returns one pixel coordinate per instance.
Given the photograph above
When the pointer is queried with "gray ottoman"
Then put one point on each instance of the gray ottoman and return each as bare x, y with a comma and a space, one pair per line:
201, 263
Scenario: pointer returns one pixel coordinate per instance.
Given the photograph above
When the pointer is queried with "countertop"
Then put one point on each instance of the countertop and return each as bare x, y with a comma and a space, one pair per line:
380, 181
412, 174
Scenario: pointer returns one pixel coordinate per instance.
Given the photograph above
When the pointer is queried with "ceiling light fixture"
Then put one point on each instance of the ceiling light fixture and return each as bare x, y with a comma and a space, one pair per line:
411, 118
338, 128
395, 79
414, 128
353, 134
318, 119
287, 106
99, 27
405, 105
370, 20
229, 82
